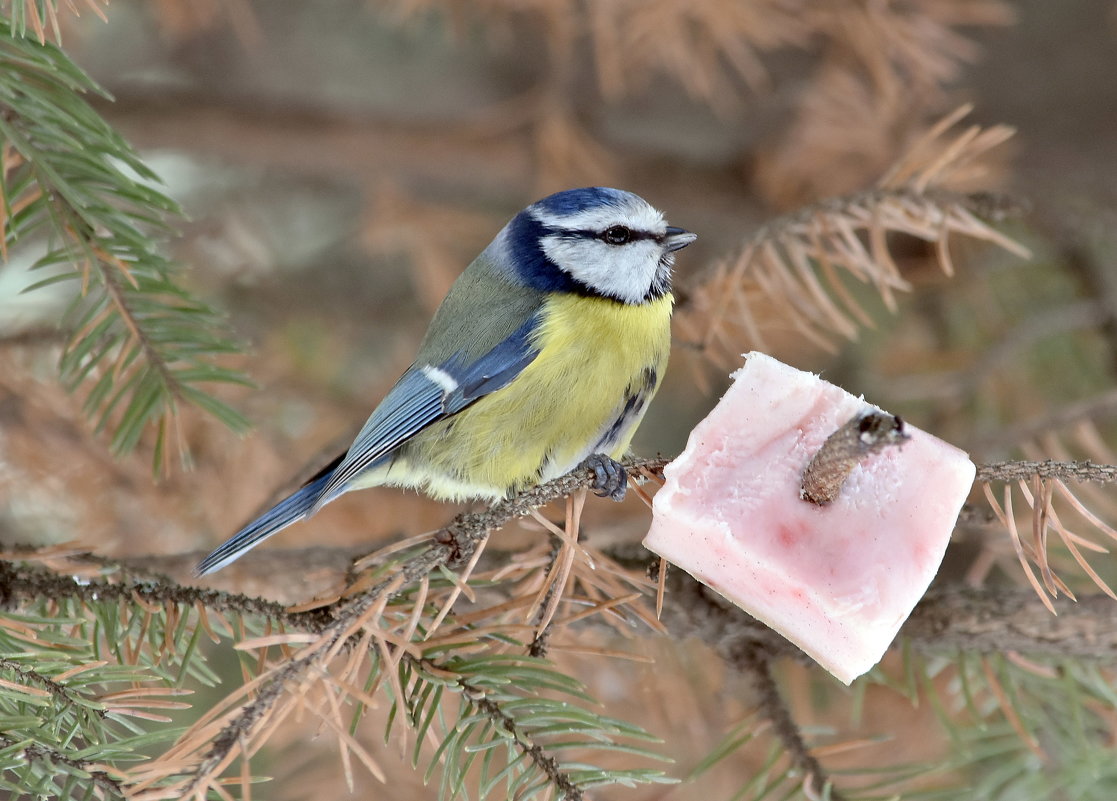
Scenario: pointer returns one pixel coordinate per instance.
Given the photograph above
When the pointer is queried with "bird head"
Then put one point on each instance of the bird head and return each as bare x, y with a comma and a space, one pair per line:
593, 241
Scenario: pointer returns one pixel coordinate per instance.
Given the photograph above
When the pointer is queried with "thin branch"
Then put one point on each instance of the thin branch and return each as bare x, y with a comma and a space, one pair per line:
756, 665
985, 620
338, 622
110, 273
29, 582
538, 646
1048, 468
60, 692
791, 267
533, 751
34, 752
140, 342
949, 618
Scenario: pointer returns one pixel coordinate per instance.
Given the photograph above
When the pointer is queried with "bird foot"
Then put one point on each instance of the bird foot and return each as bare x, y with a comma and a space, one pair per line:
610, 478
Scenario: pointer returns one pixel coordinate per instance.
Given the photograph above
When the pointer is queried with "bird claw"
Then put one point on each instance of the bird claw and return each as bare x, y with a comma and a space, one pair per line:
610, 480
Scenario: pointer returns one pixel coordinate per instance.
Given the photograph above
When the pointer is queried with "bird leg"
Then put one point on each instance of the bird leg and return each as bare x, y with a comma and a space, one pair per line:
610, 478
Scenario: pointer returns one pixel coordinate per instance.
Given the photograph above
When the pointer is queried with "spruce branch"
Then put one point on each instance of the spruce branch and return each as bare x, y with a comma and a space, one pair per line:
502, 708
73, 718
975, 620
71, 187
59, 692
449, 547
382, 628
1051, 501
795, 261
344, 629
1045, 726
756, 666
1012, 471
538, 756
796, 267
48, 761
982, 619
28, 582
452, 546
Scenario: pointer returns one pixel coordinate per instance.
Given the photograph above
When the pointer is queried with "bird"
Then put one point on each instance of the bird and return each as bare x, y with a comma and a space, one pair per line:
541, 359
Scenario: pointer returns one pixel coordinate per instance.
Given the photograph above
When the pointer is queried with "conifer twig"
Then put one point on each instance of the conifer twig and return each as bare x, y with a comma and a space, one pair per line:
34, 752
755, 664
985, 620
75, 195
797, 267
338, 624
794, 261
533, 751
452, 545
1011, 471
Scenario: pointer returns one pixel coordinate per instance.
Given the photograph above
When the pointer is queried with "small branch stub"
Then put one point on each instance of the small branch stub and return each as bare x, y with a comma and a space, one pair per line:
864, 435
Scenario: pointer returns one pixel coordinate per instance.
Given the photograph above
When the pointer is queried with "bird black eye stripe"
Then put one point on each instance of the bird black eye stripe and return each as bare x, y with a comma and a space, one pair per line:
617, 235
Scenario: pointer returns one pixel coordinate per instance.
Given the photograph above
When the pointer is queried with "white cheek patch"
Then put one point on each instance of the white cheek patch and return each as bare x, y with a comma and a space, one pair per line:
625, 272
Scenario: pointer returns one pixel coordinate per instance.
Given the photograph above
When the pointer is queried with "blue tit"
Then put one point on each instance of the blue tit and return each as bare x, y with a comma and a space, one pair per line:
543, 357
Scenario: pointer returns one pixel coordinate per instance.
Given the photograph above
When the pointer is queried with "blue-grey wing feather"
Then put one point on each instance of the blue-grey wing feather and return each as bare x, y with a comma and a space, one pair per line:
290, 510
491, 372
413, 404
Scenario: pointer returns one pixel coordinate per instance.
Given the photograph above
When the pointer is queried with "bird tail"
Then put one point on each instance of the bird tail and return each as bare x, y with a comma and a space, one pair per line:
290, 510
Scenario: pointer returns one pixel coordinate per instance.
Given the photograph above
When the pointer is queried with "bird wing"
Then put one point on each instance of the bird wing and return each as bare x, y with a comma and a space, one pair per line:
425, 394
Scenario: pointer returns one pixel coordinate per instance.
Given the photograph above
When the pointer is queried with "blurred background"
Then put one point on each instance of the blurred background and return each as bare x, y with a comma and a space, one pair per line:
340, 162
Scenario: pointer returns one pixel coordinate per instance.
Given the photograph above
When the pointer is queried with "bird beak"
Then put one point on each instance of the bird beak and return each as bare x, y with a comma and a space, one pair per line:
677, 238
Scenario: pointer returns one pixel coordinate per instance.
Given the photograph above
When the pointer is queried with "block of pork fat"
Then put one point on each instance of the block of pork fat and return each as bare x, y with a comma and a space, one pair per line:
837, 580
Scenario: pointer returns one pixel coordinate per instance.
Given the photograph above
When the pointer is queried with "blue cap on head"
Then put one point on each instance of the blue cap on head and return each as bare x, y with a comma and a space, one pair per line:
572, 201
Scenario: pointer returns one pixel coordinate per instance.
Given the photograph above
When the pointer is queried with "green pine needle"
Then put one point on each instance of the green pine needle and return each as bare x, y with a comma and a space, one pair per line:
140, 346
518, 734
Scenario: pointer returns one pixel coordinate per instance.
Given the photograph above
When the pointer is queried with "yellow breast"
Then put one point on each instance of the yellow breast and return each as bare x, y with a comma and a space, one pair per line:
598, 366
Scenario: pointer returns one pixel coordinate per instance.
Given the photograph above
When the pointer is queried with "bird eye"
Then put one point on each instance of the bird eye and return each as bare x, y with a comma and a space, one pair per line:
617, 235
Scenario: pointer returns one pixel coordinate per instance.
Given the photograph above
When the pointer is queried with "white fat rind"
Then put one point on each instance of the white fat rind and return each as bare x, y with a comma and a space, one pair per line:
837, 580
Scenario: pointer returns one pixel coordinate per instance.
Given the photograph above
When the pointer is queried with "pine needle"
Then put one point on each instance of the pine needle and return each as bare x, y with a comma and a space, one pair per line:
140, 345
460, 586
1006, 517
784, 264
1009, 710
